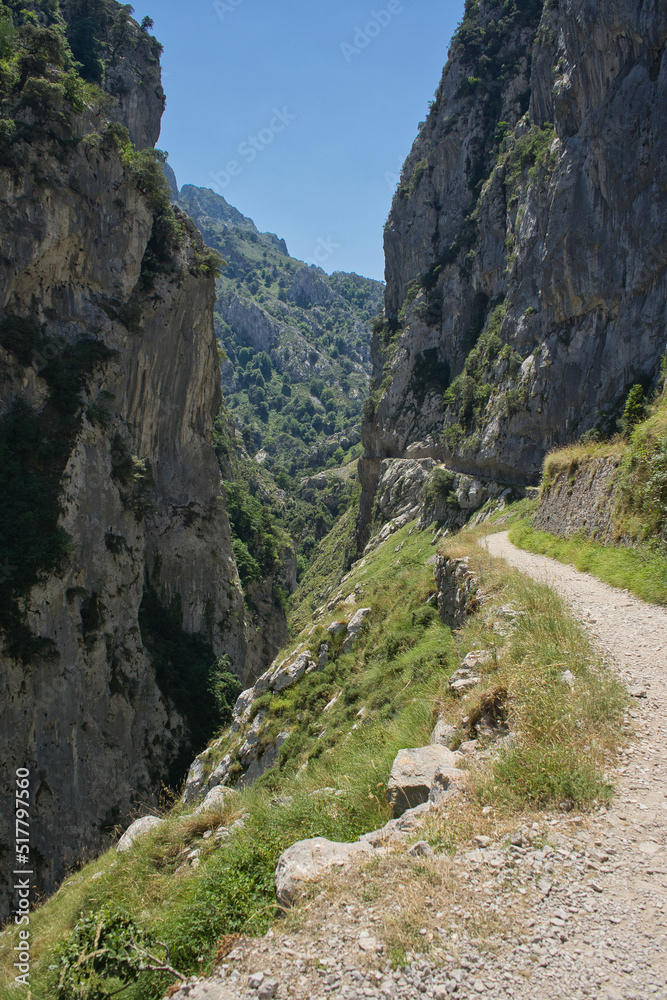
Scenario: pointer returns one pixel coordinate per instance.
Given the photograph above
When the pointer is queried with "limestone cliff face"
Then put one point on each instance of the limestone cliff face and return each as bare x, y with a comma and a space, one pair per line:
141, 495
526, 280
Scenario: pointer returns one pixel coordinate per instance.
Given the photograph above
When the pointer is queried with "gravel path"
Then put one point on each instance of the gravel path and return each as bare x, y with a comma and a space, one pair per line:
594, 890
620, 949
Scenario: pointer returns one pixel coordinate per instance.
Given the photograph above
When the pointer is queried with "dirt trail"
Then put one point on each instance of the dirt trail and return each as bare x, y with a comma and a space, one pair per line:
619, 949
594, 923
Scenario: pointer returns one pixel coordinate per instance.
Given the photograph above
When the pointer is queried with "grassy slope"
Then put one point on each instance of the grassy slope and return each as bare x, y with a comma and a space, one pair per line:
390, 688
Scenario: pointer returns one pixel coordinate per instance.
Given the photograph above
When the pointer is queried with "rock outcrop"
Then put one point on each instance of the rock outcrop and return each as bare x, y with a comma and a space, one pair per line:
247, 753
109, 351
418, 772
526, 278
305, 862
458, 593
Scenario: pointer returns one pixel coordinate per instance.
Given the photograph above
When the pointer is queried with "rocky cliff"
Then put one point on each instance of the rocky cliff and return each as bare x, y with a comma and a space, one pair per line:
119, 593
526, 282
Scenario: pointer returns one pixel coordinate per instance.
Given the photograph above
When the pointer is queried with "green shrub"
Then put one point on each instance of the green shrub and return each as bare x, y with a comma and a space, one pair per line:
439, 485
107, 949
420, 169
635, 407
145, 167
246, 563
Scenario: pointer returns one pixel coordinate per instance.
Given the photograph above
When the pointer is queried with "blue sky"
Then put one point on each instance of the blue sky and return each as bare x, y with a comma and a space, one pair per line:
301, 113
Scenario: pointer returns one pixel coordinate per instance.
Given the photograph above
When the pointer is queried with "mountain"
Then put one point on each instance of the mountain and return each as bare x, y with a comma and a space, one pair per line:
525, 258
297, 342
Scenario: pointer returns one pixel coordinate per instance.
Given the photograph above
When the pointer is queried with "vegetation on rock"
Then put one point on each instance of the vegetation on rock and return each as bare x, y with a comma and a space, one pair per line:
295, 340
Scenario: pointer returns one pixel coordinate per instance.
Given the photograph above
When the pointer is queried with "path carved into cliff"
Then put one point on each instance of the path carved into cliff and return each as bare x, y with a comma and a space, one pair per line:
620, 950
594, 926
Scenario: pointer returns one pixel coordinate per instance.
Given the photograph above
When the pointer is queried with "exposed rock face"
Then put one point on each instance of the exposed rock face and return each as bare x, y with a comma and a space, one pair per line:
526, 240
90, 719
135, 81
248, 752
457, 590
582, 501
252, 323
409, 488
308, 288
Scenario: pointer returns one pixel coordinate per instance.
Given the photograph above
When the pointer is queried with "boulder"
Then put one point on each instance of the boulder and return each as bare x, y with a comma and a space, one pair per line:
443, 734
216, 798
398, 829
354, 628
422, 849
413, 776
306, 861
136, 830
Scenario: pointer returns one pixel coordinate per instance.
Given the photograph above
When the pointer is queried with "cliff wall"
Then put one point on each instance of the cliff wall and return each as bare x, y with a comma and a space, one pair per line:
118, 545
526, 280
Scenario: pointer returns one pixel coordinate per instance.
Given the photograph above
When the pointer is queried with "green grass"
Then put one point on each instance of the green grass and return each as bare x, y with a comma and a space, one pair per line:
641, 570
332, 771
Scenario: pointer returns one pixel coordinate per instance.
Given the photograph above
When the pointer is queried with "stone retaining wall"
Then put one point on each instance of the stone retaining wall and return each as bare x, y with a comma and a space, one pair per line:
583, 500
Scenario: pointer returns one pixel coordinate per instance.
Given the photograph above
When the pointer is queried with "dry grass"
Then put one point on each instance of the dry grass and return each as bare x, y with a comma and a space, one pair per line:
416, 905
566, 461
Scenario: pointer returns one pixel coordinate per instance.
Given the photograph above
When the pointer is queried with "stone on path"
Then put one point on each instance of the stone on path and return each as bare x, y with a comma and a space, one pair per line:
210, 989
306, 861
414, 775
